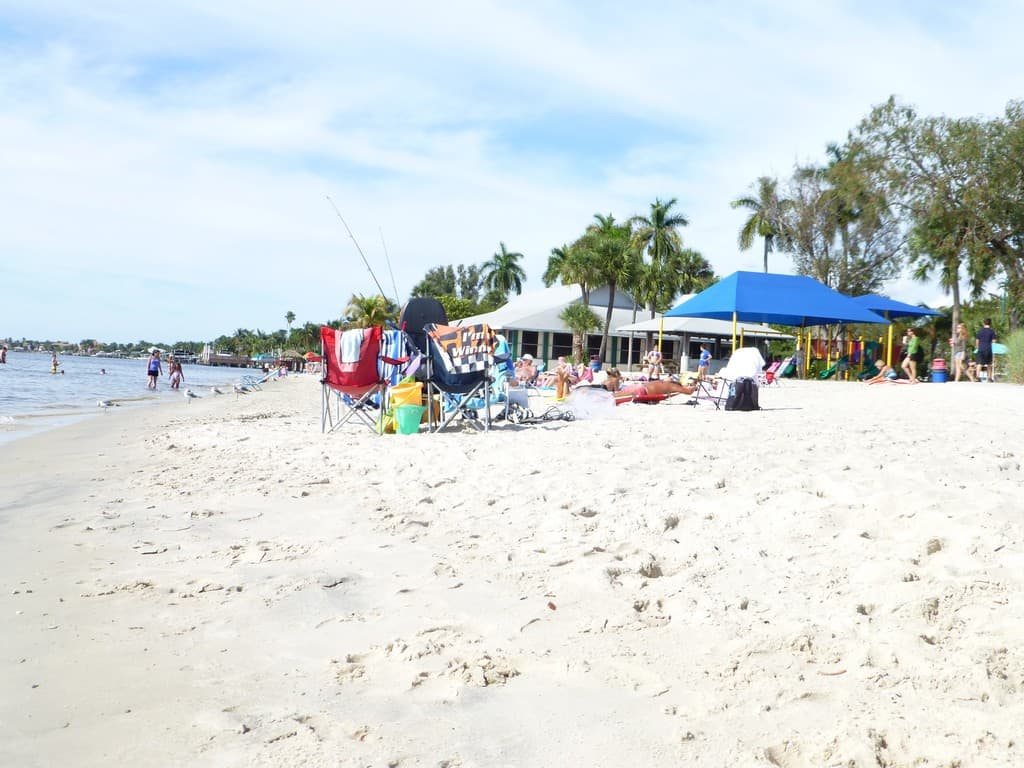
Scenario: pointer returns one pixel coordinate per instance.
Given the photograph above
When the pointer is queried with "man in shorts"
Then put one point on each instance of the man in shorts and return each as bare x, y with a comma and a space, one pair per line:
983, 341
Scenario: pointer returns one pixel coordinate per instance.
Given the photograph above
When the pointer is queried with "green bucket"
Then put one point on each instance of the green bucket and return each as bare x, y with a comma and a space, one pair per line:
408, 418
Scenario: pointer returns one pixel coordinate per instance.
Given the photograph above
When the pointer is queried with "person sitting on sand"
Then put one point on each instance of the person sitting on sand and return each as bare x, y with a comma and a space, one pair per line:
526, 373
644, 388
565, 377
887, 375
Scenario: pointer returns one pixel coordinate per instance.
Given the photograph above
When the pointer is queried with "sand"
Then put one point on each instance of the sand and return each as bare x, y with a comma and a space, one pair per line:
835, 580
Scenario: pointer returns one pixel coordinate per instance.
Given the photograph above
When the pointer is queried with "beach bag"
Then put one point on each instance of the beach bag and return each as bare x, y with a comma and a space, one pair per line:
742, 395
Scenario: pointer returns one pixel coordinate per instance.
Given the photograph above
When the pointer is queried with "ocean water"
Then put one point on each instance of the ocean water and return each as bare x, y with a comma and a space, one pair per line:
33, 399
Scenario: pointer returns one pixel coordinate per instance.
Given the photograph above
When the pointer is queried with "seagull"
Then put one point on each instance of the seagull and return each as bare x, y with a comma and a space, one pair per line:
104, 404
241, 389
216, 391
190, 396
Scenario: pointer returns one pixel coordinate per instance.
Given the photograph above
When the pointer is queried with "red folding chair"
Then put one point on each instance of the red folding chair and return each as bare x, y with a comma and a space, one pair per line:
352, 379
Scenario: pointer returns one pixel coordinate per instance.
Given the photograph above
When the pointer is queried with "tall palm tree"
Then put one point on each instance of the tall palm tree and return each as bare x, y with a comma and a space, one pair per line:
573, 265
503, 273
766, 215
289, 317
368, 311
656, 236
607, 245
657, 233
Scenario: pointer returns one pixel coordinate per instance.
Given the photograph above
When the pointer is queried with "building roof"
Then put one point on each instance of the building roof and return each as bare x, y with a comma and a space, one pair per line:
539, 311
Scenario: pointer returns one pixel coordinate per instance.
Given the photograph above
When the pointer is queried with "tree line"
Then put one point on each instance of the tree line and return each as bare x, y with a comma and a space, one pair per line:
942, 196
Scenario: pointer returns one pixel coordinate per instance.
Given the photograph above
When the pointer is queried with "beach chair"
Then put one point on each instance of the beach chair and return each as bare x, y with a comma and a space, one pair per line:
355, 377
771, 375
458, 374
745, 362
713, 391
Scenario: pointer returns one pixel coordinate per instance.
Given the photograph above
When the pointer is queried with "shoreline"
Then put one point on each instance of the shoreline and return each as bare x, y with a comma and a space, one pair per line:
834, 578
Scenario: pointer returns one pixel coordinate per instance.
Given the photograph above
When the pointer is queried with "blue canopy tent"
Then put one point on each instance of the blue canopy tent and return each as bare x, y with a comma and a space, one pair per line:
794, 300
891, 309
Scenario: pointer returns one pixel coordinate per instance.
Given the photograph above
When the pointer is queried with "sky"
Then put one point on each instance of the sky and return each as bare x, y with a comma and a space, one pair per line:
166, 167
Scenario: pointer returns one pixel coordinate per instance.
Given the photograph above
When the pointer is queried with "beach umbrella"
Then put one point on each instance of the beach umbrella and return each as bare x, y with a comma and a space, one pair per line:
891, 309
762, 297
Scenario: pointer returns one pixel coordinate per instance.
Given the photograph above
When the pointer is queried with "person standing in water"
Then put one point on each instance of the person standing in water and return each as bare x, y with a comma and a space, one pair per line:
53, 362
154, 369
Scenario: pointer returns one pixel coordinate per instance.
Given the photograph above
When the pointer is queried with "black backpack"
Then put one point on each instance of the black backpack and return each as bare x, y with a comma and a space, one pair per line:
742, 395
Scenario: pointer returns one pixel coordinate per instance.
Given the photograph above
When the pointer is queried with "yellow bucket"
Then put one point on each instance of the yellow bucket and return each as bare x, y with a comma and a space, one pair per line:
407, 394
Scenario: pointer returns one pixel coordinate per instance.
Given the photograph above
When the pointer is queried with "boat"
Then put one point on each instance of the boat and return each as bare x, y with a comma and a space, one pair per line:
185, 356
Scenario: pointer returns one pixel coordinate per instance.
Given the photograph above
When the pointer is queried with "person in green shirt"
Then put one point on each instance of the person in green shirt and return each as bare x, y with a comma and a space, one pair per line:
914, 355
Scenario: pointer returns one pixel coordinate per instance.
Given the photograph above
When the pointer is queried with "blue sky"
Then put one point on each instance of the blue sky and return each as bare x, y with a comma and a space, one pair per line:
165, 167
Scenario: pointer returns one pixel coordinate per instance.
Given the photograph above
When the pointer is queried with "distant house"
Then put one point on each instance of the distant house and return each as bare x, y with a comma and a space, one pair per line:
531, 324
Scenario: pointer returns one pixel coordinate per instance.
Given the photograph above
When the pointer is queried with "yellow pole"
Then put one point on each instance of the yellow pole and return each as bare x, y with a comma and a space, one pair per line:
888, 349
733, 331
661, 331
741, 337
807, 354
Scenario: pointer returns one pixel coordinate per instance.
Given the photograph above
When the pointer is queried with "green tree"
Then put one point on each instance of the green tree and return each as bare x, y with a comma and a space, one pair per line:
503, 273
289, 317
367, 311
656, 234
581, 320
934, 172
838, 226
439, 281
572, 265
456, 308
607, 247
306, 337
766, 216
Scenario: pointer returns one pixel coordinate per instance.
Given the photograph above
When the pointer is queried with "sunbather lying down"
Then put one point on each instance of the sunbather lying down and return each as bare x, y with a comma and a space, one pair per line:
660, 387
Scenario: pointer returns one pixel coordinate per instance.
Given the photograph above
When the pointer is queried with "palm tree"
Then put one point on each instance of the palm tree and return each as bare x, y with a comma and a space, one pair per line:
503, 273
766, 210
607, 247
657, 234
289, 317
368, 311
570, 265
581, 320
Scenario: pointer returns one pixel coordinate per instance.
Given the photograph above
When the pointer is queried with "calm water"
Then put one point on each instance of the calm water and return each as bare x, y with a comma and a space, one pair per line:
31, 398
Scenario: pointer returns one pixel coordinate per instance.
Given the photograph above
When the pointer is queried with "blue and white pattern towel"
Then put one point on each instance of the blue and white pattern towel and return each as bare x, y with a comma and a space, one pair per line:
393, 346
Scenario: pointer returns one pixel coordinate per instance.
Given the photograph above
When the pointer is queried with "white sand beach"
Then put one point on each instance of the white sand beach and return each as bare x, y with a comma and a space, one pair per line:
836, 580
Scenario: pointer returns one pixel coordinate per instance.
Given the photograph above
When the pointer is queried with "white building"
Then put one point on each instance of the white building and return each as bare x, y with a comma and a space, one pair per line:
532, 325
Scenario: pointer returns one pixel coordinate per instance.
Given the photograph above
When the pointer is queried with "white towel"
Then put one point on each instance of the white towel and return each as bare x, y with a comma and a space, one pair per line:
351, 345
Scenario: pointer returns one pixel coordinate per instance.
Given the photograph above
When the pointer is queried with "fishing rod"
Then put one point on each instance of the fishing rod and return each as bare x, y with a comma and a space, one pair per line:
387, 258
367, 263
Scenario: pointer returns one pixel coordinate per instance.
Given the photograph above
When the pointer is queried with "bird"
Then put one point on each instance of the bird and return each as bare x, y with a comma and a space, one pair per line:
241, 389
190, 396
104, 404
216, 391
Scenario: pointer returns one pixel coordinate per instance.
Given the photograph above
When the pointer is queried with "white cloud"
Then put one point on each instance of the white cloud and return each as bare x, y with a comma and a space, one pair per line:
197, 145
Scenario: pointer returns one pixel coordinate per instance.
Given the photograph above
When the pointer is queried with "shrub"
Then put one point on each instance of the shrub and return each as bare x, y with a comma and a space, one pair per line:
1015, 357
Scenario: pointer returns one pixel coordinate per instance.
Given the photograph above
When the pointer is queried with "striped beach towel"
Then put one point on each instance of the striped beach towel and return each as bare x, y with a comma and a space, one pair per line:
394, 356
